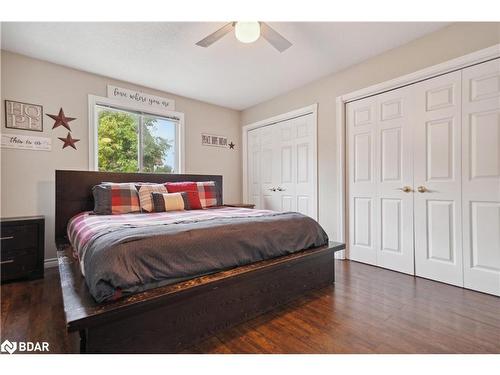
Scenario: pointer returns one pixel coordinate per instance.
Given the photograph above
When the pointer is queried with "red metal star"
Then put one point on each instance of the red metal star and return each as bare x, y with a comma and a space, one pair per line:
68, 141
61, 119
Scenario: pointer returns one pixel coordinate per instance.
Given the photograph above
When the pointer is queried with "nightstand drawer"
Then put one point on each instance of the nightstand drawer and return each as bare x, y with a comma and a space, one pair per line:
22, 247
20, 265
14, 237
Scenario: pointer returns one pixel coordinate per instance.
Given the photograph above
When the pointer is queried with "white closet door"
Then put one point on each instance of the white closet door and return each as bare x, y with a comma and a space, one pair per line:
282, 170
286, 175
381, 180
481, 176
363, 189
254, 180
270, 167
304, 166
437, 167
394, 157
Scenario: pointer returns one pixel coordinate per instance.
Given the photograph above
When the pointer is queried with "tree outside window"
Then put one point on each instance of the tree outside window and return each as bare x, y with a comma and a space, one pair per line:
131, 142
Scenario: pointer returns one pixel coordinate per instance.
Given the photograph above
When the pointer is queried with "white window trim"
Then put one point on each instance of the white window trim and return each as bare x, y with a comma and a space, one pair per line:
93, 120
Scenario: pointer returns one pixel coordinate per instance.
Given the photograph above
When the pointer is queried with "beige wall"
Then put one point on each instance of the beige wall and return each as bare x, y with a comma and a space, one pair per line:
27, 177
451, 42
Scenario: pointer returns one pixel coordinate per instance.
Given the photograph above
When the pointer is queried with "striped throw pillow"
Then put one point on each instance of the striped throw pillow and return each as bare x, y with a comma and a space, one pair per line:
168, 201
145, 198
115, 198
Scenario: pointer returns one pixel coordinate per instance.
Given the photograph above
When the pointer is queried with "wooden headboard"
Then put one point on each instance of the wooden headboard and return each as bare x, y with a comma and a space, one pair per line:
74, 191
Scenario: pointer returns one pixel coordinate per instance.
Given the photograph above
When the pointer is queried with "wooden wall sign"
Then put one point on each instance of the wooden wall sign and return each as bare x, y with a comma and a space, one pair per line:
213, 140
140, 98
26, 142
24, 116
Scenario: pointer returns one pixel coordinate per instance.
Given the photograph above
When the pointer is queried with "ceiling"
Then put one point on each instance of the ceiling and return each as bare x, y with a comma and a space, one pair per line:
163, 55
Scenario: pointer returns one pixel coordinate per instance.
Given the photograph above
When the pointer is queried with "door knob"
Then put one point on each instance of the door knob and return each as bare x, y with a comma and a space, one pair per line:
406, 189
422, 189
272, 189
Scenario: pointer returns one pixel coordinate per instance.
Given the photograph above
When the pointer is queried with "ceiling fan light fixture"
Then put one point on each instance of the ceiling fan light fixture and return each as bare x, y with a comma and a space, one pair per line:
247, 32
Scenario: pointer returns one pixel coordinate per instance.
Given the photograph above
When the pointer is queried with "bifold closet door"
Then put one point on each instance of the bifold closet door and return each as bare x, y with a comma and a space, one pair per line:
381, 180
253, 168
438, 171
481, 176
281, 171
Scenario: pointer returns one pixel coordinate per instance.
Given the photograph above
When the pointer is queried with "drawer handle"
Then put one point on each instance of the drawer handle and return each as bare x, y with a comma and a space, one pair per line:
7, 261
7, 238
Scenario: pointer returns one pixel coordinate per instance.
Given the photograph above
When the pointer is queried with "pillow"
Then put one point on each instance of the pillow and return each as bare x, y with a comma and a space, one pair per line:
115, 198
208, 196
145, 191
168, 201
191, 188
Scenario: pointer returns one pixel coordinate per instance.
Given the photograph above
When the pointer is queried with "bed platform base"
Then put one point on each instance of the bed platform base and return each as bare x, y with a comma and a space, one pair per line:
171, 318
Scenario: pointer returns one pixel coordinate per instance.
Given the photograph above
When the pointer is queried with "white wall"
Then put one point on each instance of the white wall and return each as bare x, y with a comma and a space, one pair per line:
453, 41
27, 177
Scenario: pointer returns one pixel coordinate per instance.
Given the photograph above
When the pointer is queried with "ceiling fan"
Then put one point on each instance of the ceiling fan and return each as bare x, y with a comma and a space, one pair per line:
248, 32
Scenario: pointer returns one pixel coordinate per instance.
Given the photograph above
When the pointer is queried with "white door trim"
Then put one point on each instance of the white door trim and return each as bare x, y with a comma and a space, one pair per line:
313, 109
473, 58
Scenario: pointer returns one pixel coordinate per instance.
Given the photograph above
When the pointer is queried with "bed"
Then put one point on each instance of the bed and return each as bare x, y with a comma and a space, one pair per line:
199, 297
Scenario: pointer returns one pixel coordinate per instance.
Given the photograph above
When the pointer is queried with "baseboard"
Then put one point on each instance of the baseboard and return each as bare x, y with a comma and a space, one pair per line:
340, 254
50, 263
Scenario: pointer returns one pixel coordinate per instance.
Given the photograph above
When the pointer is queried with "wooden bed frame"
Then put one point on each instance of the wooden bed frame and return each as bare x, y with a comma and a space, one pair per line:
169, 319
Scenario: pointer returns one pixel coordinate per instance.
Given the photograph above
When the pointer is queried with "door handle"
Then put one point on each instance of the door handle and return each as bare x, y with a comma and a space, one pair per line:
281, 189
272, 189
406, 189
7, 238
422, 189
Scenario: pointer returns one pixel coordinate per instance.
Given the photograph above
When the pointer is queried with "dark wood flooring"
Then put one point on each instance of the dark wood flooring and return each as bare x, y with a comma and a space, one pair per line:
368, 310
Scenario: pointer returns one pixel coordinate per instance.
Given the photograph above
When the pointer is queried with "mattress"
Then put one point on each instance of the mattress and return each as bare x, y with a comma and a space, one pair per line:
129, 253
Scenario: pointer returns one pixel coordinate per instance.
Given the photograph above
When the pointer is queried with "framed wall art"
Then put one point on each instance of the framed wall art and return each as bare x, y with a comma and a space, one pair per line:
23, 116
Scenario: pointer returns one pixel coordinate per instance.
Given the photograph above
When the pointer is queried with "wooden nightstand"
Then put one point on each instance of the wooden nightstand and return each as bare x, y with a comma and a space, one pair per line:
241, 205
22, 247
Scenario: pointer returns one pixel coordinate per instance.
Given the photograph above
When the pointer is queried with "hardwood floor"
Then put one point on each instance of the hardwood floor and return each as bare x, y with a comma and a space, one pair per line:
368, 310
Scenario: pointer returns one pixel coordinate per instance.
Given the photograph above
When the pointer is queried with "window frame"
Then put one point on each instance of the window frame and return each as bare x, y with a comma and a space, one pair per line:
95, 101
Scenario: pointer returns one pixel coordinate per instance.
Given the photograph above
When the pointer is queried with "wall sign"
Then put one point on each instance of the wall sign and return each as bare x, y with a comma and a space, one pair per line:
24, 116
140, 98
26, 142
213, 140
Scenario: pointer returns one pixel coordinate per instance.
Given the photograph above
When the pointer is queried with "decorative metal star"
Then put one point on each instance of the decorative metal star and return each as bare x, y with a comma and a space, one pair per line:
68, 141
231, 146
61, 119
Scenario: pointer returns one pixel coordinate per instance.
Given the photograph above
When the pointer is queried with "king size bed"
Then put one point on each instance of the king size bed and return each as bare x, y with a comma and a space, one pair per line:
158, 282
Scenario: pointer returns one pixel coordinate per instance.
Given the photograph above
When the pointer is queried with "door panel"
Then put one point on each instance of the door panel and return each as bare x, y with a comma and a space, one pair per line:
394, 171
304, 166
254, 175
437, 166
380, 166
481, 176
361, 127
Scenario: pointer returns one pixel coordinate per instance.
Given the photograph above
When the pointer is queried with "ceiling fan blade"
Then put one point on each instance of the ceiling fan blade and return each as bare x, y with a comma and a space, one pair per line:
212, 38
273, 37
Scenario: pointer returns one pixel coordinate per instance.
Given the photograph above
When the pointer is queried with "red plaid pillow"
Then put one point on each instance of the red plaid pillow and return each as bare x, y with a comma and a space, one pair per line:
191, 190
208, 196
113, 198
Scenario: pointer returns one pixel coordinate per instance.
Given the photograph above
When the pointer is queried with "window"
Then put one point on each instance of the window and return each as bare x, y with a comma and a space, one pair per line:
133, 141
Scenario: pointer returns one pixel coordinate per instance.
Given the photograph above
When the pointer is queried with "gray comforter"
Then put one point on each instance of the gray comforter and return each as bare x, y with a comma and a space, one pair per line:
133, 259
